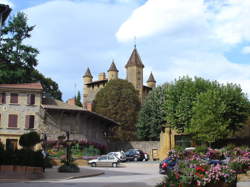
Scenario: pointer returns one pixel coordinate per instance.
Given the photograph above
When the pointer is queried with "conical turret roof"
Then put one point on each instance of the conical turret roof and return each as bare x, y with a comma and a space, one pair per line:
113, 67
134, 60
87, 73
151, 78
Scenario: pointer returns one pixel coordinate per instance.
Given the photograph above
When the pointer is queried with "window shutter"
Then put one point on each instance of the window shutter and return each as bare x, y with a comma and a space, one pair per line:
27, 119
32, 99
14, 98
2, 98
12, 120
31, 121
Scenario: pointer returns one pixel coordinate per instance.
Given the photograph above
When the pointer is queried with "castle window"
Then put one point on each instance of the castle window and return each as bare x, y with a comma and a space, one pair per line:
29, 121
2, 98
13, 98
31, 99
12, 120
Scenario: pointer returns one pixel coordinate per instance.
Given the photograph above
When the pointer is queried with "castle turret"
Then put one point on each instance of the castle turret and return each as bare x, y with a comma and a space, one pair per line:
112, 72
151, 81
134, 68
87, 78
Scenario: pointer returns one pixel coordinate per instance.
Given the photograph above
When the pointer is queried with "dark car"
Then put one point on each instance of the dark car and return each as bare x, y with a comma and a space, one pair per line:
134, 155
167, 164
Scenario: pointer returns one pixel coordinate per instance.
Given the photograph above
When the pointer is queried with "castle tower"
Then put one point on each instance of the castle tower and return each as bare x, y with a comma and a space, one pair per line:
151, 81
87, 78
112, 72
134, 68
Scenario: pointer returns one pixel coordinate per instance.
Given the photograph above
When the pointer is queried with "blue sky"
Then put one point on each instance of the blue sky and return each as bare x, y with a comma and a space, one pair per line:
206, 38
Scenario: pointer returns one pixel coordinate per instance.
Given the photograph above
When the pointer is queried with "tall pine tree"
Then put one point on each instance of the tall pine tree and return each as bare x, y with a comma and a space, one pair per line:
18, 60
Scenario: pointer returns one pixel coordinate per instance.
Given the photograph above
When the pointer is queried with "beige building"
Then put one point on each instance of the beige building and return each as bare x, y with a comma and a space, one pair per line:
134, 68
23, 109
19, 111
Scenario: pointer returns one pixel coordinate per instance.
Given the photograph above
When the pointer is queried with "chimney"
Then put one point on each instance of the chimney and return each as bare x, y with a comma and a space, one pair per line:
101, 76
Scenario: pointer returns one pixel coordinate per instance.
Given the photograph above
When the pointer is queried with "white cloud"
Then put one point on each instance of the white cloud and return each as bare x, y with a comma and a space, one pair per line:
246, 50
175, 38
232, 20
160, 15
7, 2
74, 35
225, 20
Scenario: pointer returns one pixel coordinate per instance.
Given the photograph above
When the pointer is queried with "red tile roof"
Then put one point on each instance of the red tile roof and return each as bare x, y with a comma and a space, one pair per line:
36, 86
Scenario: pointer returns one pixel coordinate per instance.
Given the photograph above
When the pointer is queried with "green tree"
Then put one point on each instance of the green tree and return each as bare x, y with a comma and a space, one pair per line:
119, 101
18, 60
78, 99
152, 114
206, 109
180, 96
207, 122
218, 113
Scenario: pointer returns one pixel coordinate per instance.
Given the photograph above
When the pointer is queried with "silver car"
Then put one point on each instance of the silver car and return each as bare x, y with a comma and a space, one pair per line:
106, 160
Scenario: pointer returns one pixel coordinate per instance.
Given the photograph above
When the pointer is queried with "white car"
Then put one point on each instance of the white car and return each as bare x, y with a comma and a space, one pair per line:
120, 155
106, 160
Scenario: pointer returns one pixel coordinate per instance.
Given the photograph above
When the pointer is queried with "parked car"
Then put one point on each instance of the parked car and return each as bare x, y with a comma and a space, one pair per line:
167, 164
106, 160
134, 155
120, 155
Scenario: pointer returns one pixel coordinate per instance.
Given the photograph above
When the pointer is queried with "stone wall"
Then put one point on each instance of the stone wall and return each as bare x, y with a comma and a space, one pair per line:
145, 146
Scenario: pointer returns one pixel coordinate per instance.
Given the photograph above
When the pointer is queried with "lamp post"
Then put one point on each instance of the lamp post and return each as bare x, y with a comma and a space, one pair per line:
68, 149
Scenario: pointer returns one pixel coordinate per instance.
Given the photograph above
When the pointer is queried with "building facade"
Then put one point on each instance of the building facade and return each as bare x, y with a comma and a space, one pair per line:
134, 75
19, 111
24, 109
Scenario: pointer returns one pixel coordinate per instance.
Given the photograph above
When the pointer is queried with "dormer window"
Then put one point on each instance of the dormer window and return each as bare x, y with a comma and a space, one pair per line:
31, 99
14, 98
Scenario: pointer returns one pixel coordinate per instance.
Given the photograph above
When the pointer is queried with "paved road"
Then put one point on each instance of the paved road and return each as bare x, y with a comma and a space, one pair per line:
128, 175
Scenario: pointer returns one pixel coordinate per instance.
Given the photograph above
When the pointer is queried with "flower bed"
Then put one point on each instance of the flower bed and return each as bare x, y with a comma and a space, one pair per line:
210, 168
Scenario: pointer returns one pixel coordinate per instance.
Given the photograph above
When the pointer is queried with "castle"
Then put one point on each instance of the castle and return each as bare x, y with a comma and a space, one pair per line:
134, 68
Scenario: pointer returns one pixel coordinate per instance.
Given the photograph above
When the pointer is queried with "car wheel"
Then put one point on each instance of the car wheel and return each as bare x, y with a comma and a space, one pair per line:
114, 165
135, 159
93, 164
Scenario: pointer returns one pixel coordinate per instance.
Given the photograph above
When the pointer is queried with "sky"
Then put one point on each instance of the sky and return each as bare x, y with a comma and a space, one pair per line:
175, 38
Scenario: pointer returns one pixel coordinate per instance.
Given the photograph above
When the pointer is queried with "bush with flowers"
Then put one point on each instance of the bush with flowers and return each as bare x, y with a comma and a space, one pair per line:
210, 169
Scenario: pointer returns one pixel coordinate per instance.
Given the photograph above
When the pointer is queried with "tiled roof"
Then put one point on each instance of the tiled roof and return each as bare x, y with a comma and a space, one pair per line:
53, 104
134, 60
35, 86
87, 73
151, 78
113, 67
97, 82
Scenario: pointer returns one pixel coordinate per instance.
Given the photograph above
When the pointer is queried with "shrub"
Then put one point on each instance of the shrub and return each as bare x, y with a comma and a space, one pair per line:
91, 151
201, 149
71, 168
29, 140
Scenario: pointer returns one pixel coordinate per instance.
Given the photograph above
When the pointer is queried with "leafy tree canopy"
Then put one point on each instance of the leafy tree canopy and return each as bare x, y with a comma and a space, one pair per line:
119, 101
206, 109
18, 60
152, 114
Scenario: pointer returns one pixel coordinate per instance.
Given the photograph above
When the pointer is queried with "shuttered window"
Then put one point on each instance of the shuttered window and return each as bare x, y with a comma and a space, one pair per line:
2, 98
29, 121
12, 120
13, 98
31, 99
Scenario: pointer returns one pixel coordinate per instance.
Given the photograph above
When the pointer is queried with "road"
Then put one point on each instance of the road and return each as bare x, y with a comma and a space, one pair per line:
138, 174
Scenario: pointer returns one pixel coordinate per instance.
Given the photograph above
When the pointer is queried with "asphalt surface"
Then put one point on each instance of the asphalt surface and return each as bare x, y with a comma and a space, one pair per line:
140, 174
127, 175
